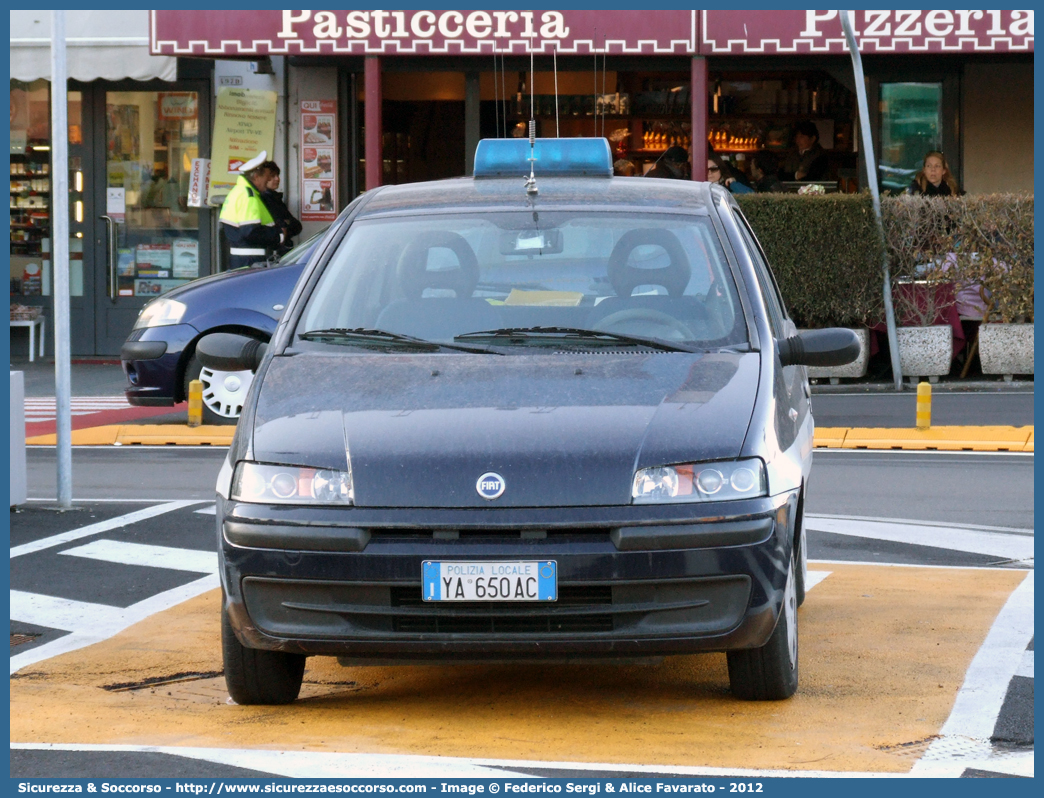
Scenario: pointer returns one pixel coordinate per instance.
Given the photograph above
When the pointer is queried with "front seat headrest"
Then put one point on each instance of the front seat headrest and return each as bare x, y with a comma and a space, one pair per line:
414, 275
674, 277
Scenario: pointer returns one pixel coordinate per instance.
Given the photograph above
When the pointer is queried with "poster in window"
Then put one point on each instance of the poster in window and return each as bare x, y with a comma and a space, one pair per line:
244, 126
318, 160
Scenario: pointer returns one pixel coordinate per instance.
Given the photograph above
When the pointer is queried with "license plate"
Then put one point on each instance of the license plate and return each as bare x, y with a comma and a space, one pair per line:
490, 581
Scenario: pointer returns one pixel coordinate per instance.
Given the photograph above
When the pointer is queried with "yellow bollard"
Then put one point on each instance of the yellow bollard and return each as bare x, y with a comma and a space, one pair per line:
924, 405
195, 403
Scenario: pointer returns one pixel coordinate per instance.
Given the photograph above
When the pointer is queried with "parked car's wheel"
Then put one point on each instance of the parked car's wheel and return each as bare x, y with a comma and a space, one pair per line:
223, 391
770, 673
259, 677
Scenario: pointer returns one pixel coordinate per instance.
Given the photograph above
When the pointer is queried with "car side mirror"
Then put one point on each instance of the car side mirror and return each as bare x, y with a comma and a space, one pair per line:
230, 352
835, 346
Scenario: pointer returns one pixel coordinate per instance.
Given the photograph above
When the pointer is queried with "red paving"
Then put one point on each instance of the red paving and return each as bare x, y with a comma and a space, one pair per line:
103, 418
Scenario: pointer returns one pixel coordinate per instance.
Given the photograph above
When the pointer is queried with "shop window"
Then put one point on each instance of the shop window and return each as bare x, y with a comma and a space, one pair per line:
753, 111
30, 187
151, 139
911, 126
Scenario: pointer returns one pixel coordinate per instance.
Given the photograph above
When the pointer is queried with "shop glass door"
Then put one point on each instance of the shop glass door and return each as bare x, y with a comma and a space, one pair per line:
911, 127
151, 236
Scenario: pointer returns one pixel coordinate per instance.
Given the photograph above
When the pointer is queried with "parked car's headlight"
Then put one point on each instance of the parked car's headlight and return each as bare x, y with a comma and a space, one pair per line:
701, 482
269, 484
160, 312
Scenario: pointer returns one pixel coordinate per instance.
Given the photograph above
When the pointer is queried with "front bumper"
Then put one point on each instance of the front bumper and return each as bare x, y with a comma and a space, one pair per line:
152, 362
633, 581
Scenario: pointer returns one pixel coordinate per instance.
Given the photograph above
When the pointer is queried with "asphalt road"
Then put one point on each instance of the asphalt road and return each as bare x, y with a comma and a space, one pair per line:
982, 489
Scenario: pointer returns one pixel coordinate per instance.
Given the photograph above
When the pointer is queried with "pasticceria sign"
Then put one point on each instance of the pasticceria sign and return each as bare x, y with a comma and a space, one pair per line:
476, 32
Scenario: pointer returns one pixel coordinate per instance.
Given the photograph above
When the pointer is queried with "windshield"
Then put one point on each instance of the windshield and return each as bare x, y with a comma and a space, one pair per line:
632, 276
303, 250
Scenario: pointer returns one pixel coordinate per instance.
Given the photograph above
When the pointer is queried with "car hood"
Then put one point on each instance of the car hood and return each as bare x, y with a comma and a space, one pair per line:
562, 430
221, 279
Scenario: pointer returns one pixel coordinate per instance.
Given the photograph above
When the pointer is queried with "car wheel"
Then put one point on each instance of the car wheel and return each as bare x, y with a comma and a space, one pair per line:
254, 676
223, 391
770, 673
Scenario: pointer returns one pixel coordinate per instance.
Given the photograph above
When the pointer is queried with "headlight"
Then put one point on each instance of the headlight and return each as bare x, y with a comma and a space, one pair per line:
269, 484
701, 482
160, 312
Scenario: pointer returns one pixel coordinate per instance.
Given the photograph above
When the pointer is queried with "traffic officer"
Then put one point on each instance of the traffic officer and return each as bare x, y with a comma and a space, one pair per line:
249, 227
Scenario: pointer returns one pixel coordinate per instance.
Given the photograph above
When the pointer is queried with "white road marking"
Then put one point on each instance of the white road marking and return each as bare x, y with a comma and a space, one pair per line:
951, 538
966, 733
211, 510
101, 623
42, 408
1012, 530
326, 765
204, 562
814, 578
101, 526
60, 613
1026, 665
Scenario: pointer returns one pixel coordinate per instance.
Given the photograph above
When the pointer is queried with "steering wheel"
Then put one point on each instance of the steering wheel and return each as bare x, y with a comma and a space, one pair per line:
626, 319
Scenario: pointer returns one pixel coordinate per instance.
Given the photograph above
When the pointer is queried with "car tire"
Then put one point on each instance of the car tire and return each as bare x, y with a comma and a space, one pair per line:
770, 673
254, 676
223, 391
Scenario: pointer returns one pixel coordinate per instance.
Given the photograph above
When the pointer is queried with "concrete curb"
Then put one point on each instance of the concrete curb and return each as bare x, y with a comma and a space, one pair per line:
971, 439
967, 439
977, 386
143, 435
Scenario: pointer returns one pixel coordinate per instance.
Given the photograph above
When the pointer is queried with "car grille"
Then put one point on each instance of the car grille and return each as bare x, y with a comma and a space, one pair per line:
507, 617
587, 534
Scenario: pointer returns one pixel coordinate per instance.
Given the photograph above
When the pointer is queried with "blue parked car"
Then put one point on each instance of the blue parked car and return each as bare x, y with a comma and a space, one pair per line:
159, 356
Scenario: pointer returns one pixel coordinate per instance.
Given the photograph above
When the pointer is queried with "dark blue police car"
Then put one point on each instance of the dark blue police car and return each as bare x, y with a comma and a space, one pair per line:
502, 421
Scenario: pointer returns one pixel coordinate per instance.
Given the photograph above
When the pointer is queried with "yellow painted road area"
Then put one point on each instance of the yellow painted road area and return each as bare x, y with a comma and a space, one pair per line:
966, 438
144, 435
989, 439
883, 651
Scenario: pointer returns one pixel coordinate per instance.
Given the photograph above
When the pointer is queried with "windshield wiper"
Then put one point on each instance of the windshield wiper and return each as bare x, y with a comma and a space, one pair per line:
364, 336
555, 336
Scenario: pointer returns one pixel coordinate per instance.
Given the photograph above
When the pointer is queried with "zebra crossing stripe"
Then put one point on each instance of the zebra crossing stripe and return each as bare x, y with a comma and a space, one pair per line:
101, 526
1025, 666
61, 613
118, 551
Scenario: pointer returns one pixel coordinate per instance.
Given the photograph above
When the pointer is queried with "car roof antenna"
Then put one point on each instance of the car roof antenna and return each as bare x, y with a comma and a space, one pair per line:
531, 186
555, 54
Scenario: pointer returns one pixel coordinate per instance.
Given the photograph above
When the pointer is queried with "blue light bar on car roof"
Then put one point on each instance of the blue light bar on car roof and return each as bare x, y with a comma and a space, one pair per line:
588, 157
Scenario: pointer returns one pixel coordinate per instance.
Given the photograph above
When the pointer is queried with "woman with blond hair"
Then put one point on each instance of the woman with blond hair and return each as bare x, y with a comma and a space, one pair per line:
935, 178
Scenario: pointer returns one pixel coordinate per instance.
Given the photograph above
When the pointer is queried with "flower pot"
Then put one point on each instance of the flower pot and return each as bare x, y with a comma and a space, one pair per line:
1006, 349
925, 351
853, 370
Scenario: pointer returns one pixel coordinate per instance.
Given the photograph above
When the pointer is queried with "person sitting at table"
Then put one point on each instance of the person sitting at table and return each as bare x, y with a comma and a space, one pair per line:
673, 164
935, 178
624, 168
763, 169
808, 160
719, 172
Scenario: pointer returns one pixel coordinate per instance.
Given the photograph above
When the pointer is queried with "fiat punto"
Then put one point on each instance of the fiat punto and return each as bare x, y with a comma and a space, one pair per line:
504, 419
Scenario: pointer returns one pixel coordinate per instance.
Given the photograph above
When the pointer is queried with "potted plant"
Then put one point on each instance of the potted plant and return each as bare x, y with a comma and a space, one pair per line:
998, 242
918, 235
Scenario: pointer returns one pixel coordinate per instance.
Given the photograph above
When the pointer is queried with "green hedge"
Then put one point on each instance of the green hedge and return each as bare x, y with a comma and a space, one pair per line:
825, 253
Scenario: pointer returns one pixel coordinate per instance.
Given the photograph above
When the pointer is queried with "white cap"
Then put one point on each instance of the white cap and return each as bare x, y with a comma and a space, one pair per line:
255, 162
